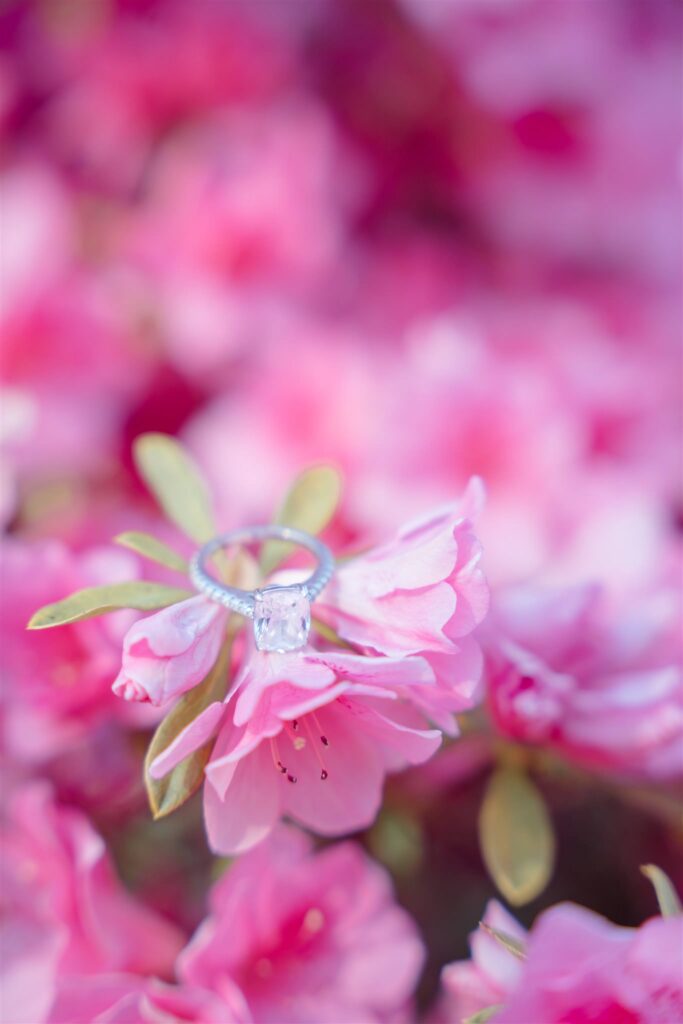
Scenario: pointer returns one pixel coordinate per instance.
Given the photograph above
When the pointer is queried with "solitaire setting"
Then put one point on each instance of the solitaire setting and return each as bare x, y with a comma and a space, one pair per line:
282, 618
281, 614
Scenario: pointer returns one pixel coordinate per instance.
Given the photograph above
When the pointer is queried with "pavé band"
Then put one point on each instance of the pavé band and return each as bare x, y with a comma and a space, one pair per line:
281, 614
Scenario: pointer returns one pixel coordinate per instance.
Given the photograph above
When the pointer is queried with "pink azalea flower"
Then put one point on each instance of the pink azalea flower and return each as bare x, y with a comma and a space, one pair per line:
309, 734
422, 593
282, 941
581, 967
250, 195
562, 672
169, 652
64, 911
484, 980
57, 690
578, 967
69, 373
284, 929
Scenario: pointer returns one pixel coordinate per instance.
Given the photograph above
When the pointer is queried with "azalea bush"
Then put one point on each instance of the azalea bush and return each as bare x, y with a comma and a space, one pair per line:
405, 275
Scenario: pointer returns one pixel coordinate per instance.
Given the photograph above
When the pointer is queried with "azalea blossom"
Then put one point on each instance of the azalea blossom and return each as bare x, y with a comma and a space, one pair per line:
65, 914
282, 941
322, 940
57, 689
563, 670
308, 734
171, 651
469, 986
422, 593
311, 734
577, 966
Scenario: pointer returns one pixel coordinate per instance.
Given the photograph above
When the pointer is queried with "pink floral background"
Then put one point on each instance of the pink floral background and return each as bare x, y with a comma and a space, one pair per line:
437, 245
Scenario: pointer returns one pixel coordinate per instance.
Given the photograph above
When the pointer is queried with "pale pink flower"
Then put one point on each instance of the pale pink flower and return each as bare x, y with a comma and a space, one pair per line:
310, 735
485, 980
422, 593
581, 967
578, 967
57, 685
307, 937
169, 652
65, 913
601, 686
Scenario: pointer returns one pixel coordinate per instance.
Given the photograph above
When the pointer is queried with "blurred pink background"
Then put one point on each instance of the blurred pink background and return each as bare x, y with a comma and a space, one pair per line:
419, 239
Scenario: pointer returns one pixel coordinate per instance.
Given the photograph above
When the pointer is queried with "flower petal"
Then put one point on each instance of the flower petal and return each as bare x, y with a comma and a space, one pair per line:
193, 736
250, 807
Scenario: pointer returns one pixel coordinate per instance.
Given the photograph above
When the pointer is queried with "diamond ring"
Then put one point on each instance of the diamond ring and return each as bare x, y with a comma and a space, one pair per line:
281, 614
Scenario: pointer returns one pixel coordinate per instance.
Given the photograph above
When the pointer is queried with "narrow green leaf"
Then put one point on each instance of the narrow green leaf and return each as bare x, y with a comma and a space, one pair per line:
309, 505
667, 897
516, 836
175, 480
508, 942
484, 1015
149, 547
174, 789
84, 604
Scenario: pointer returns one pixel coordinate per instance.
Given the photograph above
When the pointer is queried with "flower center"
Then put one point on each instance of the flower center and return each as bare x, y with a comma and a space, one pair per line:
299, 742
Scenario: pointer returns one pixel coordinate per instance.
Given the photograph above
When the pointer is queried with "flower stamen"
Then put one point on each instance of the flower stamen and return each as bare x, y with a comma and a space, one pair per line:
275, 754
324, 774
323, 738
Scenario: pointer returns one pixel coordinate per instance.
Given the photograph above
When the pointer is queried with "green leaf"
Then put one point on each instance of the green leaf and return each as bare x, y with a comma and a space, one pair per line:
484, 1015
309, 505
174, 789
667, 897
149, 547
396, 839
508, 942
516, 836
177, 483
84, 604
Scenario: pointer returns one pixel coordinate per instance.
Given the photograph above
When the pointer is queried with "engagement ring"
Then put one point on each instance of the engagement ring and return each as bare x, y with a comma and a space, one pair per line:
281, 614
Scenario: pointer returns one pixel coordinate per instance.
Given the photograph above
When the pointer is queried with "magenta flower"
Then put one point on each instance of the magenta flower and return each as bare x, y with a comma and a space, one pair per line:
57, 690
561, 671
310, 735
65, 914
171, 651
282, 942
284, 929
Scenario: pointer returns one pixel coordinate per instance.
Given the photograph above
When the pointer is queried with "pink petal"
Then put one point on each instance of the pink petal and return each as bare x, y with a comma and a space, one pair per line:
250, 808
351, 795
263, 671
378, 670
191, 738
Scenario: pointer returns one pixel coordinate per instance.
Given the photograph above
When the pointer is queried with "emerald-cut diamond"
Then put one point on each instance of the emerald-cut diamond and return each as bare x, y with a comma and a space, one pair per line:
282, 618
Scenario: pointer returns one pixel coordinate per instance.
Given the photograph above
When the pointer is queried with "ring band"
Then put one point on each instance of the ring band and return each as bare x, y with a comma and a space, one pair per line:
281, 614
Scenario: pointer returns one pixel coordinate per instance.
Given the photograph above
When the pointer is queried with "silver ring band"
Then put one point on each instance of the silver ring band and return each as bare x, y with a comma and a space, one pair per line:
281, 614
